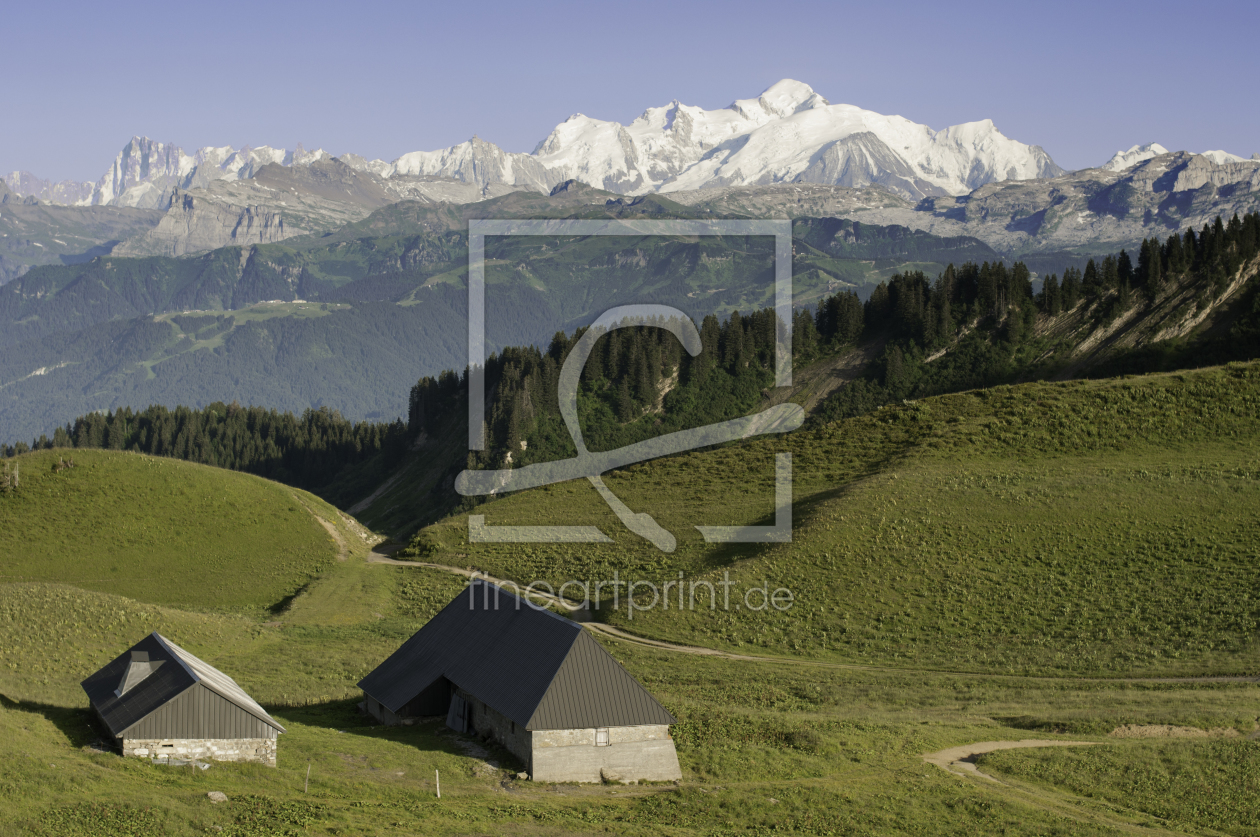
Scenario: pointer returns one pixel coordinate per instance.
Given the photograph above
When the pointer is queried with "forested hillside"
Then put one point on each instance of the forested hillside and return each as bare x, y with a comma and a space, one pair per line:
1190, 300
982, 325
351, 319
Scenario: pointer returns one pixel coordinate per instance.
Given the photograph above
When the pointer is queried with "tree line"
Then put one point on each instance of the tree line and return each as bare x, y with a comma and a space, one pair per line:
308, 451
636, 383
986, 314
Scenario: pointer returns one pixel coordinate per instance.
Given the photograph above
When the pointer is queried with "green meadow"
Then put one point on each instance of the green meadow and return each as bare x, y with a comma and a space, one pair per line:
1049, 561
160, 531
1099, 527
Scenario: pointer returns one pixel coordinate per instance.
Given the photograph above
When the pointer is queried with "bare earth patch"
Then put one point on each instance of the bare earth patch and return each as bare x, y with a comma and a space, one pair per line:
1169, 731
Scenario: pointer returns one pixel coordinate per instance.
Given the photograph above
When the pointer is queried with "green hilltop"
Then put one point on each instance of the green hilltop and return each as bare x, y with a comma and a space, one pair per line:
160, 530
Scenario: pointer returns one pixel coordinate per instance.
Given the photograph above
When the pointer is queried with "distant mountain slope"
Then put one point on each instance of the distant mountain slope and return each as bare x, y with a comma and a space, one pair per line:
145, 173
1047, 222
282, 202
34, 233
385, 305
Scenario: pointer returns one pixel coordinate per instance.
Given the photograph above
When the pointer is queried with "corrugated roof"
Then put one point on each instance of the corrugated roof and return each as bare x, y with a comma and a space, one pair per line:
165, 683
534, 667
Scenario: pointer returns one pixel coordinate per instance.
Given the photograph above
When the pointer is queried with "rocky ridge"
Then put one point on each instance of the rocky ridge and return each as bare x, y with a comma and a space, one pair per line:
281, 202
1090, 212
145, 173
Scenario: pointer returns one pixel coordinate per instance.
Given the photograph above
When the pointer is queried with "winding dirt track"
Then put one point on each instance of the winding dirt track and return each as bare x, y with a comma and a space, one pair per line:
961, 761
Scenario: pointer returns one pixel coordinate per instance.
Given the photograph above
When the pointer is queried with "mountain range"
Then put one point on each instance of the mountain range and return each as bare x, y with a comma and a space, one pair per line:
787, 134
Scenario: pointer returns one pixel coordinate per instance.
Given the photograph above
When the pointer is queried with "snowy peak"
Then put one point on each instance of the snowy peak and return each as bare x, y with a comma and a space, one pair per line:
1141, 153
1121, 160
781, 100
787, 134
146, 172
1223, 157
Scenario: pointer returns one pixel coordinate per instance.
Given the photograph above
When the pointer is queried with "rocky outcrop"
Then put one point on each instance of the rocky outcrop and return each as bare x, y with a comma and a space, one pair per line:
197, 222
282, 202
1094, 210
145, 173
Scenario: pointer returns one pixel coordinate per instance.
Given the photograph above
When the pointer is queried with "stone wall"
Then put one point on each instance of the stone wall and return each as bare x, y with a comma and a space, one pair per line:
629, 761
633, 754
489, 722
259, 750
636, 753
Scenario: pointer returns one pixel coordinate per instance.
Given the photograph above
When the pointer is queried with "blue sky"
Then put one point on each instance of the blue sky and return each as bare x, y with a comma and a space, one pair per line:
384, 78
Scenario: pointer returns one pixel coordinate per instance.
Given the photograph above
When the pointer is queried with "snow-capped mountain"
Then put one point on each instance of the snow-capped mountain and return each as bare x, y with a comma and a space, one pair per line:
145, 173
1121, 160
1223, 157
787, 134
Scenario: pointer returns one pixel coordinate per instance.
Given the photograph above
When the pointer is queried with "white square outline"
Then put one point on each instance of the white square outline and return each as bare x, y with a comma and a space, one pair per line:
781, 230
479, 229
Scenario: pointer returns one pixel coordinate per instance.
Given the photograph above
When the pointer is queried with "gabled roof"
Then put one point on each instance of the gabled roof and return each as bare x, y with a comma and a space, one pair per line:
172, 672
534, 667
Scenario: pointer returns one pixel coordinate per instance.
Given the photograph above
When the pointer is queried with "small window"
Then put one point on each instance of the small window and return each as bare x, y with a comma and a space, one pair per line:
601, 737
514, 727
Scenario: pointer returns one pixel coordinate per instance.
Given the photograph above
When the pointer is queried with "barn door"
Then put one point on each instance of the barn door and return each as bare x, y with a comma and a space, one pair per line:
457, 715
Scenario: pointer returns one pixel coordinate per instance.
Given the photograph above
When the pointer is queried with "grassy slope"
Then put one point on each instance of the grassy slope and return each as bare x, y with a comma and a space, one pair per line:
823, 743
836, 749
1091, 527
160, 530
1161, 778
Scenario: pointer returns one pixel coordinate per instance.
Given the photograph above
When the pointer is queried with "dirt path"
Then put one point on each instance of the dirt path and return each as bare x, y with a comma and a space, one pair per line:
343, 551
381, 555
961, 761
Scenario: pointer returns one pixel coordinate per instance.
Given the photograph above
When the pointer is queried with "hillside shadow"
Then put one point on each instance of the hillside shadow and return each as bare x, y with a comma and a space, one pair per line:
428, 734
805, 509
80, 726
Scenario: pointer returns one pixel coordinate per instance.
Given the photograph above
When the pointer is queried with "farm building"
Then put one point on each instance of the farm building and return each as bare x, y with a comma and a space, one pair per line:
497, 666
161, 702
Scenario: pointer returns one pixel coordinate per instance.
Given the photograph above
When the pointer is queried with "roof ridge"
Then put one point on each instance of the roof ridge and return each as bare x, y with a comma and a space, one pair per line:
528, 603
170, 649
177, 652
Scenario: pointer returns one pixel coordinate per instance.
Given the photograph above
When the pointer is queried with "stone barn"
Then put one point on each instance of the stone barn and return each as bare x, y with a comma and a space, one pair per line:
495, 665
160, 702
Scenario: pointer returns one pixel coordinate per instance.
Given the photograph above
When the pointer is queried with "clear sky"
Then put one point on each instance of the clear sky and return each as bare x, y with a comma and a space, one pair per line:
384, 78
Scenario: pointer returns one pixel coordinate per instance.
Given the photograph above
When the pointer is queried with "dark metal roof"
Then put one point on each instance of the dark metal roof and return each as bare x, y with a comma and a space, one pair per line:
165, 683
534, 667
